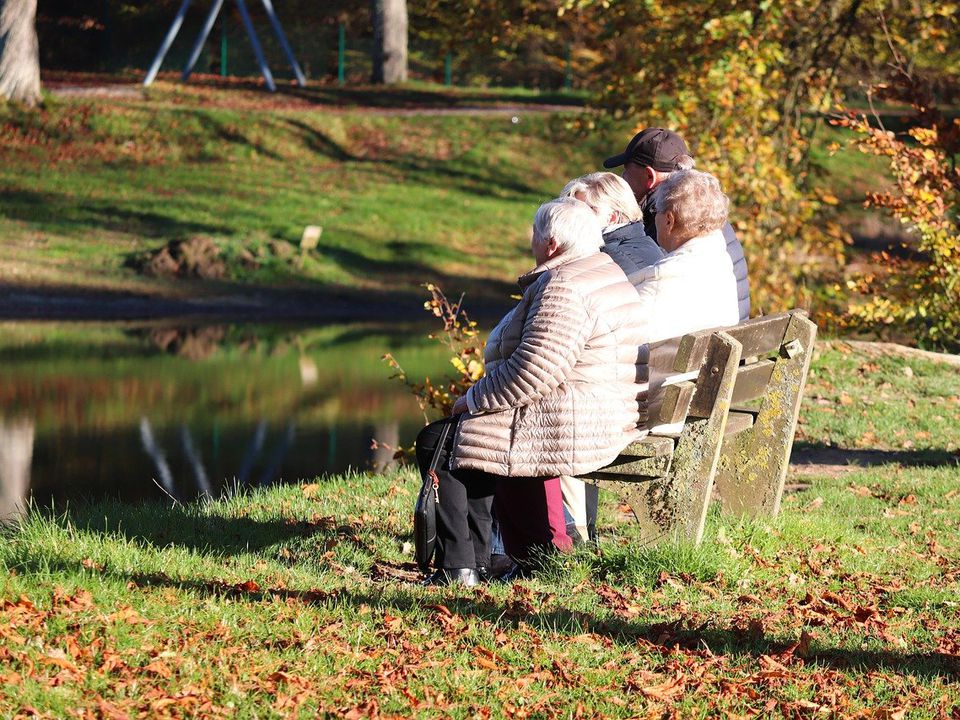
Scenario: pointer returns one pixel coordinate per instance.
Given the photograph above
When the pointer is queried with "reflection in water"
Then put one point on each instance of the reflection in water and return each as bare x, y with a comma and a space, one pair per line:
259, 436
272, 471
156, 454
194, 343
16, 454
190, 450
387, 435
143, 412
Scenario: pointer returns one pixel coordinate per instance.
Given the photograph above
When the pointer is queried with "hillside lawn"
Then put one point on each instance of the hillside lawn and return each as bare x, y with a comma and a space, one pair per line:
298, 601
408, 188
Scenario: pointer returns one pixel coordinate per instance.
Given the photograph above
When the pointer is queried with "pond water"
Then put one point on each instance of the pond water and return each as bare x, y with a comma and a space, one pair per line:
140, 412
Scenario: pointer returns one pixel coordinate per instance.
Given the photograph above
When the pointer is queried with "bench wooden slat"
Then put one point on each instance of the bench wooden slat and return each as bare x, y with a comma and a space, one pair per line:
675, 404
628, 469
752, 381
761, 336
737, 422
754, 462
650, 446
709, 381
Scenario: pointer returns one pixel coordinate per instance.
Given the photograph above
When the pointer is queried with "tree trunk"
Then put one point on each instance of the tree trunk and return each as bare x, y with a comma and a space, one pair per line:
19, 52
389, 41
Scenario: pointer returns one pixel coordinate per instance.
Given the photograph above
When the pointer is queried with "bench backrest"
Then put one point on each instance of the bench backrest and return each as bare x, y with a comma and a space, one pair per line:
681, 384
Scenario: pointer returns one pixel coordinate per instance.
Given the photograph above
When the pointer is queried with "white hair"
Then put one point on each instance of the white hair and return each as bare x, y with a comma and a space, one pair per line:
696, 201
607, 193
571, 223
577, 185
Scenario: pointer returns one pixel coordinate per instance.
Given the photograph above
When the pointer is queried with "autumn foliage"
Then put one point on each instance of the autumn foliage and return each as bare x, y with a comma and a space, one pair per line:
459, 334
919, 294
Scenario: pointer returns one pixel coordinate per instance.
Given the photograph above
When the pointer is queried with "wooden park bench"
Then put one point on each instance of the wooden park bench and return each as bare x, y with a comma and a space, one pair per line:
723, 418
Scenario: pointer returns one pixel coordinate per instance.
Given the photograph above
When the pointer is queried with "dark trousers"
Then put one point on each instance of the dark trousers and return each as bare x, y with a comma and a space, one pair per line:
466, 500
530, 510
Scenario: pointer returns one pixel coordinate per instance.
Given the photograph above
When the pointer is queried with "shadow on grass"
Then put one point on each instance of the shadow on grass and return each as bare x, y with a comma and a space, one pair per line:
403, 97
183, 526
407, 97
439, 173
665, 636
813, 454
186, 527
59, 212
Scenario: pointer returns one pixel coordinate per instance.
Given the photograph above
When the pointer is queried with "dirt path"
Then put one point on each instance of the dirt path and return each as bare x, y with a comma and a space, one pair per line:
284, 101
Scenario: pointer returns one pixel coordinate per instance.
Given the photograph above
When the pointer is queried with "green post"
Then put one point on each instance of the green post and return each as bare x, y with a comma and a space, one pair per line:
341, 53
223, 45
448, 70
568, 71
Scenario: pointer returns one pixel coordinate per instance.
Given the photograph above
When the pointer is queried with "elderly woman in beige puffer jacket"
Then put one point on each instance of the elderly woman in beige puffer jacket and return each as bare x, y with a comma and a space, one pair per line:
564, 375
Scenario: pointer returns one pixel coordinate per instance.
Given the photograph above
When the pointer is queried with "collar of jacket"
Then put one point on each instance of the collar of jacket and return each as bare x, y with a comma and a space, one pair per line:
625, 231
649, 216
527, 279
713, 240
705, 248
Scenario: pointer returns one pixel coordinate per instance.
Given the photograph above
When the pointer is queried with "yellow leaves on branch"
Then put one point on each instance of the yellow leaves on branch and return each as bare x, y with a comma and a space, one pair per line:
459, 334
920, 295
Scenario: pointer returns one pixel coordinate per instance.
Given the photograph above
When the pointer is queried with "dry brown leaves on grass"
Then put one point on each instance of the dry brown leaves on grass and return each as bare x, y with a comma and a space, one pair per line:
657, 676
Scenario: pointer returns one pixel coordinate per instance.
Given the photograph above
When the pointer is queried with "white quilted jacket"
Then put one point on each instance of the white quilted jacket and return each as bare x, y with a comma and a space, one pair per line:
564, 373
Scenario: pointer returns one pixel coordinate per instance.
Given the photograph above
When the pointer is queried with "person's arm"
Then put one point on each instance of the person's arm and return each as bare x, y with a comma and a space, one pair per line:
554, 334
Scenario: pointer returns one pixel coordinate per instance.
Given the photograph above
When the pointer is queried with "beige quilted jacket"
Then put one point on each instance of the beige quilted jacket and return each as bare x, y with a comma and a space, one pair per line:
564, 373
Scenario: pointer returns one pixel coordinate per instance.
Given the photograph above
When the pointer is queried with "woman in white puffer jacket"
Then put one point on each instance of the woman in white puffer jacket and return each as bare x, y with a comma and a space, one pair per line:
564, 374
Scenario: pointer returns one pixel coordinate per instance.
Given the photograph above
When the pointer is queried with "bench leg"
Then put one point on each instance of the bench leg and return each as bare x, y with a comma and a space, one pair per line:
753, 464
674, 507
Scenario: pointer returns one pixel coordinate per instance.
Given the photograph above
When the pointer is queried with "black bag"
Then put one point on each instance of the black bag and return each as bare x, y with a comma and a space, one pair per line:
425, 511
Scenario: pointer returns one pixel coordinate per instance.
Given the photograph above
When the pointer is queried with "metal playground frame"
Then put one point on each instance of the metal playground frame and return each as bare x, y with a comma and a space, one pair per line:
205, 33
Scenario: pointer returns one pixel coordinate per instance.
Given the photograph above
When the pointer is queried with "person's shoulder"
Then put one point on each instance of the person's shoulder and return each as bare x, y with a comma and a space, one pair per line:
586, 274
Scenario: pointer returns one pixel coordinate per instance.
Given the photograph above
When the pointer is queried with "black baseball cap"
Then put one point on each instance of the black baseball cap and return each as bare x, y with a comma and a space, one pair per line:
654, 147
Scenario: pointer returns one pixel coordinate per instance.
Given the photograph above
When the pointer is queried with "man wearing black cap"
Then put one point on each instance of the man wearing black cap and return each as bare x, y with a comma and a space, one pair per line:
649, 159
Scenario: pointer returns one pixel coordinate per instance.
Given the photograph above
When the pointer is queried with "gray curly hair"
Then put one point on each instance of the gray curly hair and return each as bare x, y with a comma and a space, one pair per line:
696, 201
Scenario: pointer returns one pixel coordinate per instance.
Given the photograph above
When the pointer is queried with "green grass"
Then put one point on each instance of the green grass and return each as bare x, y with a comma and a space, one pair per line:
301, 600
402, 200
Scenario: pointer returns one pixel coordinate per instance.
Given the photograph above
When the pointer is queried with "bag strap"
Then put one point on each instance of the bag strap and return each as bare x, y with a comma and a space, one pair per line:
435, 460
432, 470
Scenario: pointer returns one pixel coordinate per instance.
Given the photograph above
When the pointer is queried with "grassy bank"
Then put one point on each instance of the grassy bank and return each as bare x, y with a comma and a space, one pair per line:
88, 185
293, 601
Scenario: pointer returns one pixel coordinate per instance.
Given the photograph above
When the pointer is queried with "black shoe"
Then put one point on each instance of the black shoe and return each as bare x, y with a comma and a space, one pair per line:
517, 572
499, 564
467, 577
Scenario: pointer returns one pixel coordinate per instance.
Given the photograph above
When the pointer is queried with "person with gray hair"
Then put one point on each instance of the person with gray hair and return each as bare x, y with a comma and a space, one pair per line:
560, 396
624, 236
626, 241
688, 204
693, 287
649, 159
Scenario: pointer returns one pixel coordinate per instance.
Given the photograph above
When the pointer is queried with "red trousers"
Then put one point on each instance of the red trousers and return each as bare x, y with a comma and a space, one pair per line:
530, 513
